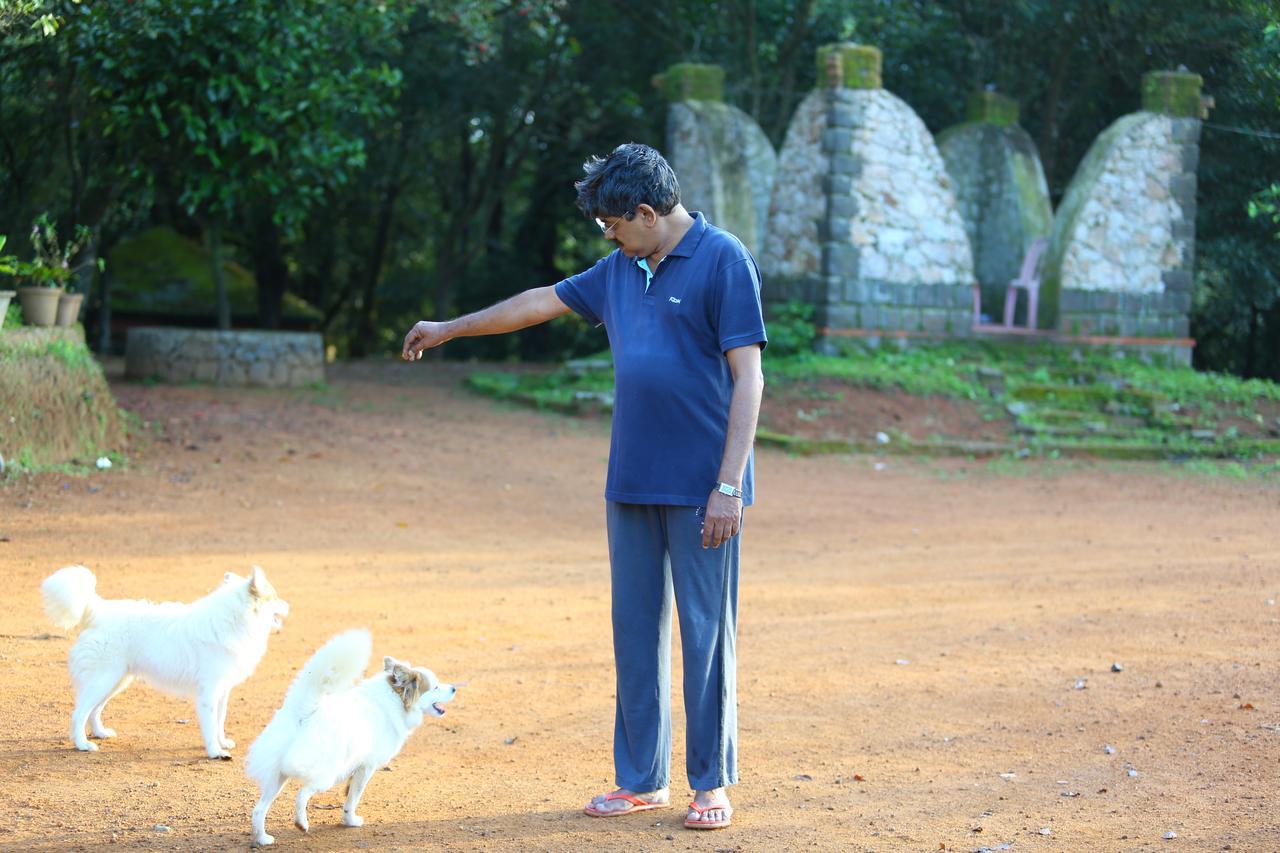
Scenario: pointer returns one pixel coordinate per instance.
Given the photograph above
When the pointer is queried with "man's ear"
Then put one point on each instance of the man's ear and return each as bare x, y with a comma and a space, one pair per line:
646, 214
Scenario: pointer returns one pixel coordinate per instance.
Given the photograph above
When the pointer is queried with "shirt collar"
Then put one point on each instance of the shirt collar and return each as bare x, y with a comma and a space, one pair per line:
689, 242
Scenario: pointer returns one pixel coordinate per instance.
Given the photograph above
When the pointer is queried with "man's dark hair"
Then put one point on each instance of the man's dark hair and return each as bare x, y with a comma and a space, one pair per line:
631, 175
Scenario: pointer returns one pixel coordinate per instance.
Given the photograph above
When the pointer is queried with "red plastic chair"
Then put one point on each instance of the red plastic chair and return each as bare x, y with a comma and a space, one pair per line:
1029, 280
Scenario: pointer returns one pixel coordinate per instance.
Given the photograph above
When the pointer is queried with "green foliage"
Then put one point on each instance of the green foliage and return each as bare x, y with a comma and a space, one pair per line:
159, 271
791, 329
241, 100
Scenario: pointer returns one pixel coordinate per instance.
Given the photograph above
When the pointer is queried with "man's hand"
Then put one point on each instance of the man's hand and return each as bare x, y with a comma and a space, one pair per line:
423, 336
723, 521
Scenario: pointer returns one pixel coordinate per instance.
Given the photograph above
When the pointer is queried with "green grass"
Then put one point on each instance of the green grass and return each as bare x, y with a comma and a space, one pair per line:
1063, 401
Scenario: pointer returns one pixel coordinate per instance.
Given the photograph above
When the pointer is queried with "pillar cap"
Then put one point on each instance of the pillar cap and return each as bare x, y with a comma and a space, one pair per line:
1173, 93
991, 108
691, 81
845, 65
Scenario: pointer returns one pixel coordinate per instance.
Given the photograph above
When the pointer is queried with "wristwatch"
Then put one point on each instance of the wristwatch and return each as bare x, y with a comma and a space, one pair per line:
731, 491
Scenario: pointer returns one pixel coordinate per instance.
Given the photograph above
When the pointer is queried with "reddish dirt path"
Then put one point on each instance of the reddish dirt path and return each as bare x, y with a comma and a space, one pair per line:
907, 636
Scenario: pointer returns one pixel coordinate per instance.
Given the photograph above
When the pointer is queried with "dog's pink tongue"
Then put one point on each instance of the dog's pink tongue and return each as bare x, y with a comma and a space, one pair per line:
439, 707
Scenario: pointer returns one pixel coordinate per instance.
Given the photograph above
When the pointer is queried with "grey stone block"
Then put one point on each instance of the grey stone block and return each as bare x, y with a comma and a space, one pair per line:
836, 185
1190, 157
837, 140
842, 115
844, 206
844, 164
1184, 229
1183, 188
1186, 130
1177, 301
1177, 280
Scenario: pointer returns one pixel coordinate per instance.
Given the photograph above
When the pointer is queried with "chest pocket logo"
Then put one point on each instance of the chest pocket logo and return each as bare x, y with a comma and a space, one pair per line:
673, 299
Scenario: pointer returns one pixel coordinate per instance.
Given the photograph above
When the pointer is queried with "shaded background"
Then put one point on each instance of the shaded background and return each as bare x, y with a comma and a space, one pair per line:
382, 162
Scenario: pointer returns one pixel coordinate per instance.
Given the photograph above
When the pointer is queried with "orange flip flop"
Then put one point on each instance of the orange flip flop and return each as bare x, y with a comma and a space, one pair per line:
637, 805
690, 823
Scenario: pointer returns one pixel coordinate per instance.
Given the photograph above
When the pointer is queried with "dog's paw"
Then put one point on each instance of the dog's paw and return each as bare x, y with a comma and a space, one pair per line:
104, 733
264, 840
220, 755
352, 820
302, 824
227, 743
87, 747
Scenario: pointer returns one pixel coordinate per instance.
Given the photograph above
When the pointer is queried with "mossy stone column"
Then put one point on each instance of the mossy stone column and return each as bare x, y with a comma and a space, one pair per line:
1000, 191
723, 160
1123, 251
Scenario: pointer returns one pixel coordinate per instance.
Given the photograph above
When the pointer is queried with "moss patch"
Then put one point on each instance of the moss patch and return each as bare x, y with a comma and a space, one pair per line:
55, 406
991, 108
859, 65
691, 81
1174, 93
161, 272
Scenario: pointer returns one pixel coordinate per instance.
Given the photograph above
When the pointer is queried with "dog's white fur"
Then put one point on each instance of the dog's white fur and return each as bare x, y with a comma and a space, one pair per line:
199, 650
330, 728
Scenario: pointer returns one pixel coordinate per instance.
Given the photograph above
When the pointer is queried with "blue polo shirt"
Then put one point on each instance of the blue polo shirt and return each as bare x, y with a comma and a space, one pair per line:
669, 332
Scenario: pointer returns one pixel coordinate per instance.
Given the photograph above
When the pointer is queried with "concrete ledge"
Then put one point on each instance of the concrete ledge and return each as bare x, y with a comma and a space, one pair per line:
238, 358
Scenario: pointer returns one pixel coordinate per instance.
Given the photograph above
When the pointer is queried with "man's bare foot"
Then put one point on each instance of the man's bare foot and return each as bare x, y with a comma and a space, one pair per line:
625, 801
709, 810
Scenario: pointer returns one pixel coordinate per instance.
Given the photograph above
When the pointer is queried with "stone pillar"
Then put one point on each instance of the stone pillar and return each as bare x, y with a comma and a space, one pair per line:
1000, 189
1123, 247
863, 222
722, 158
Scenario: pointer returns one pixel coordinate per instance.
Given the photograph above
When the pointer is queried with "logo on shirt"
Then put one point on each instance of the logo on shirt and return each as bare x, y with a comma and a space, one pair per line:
673, 299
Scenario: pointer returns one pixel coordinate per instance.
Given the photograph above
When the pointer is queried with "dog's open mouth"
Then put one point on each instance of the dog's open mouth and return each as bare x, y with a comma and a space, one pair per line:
439, 707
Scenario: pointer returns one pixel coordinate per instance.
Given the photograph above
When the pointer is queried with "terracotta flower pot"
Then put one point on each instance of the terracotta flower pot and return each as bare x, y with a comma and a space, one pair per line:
39, 304
5, 296
69, 308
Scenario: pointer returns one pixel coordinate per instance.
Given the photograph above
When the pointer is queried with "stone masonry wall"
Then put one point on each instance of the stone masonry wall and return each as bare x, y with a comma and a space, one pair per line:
1122, 253
254, 358
863, 223
725, 166
1002, 196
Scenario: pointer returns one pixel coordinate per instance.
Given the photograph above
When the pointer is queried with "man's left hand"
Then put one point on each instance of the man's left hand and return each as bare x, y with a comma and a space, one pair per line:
723, 521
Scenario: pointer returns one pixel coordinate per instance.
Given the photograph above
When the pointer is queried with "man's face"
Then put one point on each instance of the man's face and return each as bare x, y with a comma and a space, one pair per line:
634, 235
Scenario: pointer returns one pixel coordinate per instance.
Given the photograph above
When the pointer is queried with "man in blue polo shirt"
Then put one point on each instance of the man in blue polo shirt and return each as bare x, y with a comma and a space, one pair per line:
680, 300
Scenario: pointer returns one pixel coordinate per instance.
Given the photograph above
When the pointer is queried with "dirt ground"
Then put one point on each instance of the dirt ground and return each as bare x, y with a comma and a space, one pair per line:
925, 648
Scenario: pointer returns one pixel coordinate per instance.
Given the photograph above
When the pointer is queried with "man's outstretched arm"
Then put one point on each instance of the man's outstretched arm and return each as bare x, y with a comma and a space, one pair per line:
519, 312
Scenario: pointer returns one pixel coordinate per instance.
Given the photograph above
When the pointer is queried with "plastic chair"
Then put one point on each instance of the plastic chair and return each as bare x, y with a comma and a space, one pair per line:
1029, 280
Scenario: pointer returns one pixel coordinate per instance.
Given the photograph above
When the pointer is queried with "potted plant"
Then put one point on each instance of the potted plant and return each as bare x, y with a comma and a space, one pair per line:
9, 265
45, 301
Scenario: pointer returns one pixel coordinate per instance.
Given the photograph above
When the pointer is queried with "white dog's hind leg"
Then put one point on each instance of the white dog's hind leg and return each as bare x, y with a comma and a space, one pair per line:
269, 794
95, 719
300, 808
226, 742
93, 691
356, 789
207, 711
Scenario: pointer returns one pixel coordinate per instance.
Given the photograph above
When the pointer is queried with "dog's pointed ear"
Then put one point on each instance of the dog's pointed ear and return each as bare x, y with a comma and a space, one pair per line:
259, 586
406, 683
389, 663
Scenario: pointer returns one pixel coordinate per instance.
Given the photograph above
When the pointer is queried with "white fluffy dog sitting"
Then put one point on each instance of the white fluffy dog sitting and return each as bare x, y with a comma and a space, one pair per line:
199, 650
330, 728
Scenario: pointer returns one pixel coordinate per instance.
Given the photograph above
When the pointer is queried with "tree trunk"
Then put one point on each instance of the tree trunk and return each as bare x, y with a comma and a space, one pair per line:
270, 270
214, 233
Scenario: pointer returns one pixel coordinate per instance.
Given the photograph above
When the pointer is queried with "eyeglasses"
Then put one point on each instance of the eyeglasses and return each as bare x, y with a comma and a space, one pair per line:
608, 231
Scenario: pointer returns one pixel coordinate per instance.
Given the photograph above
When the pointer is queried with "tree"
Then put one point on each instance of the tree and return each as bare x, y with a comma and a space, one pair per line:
241, 108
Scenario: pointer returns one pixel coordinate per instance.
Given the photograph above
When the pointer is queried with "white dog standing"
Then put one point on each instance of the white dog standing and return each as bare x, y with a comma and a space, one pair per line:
199, 650
330, 728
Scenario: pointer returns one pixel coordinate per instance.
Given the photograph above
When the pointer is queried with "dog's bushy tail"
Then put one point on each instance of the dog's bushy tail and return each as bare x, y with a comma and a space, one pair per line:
332, 669
69, 596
